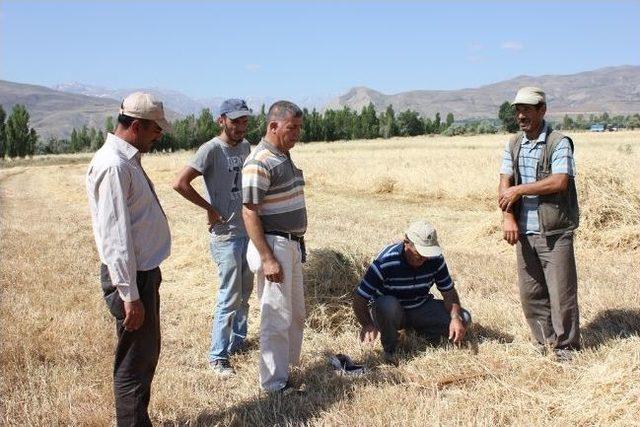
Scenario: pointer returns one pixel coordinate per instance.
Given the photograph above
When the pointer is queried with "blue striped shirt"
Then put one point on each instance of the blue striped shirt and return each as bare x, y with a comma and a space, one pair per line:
530, 151
390, 274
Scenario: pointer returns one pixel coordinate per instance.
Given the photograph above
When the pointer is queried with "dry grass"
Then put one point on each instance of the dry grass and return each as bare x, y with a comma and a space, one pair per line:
57, 337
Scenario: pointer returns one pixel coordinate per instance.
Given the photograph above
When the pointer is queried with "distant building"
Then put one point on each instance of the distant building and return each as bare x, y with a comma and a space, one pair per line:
597, 128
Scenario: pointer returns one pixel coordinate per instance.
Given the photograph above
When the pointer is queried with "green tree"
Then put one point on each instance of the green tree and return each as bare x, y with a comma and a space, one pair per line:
184, 133
567, 122
21, 140
315, 126
388, 125
257, 126
3, 136
634, 122
450, 120
206, 127
369, 125
109, 126
437, 124
409, 124
329, 126
507, 115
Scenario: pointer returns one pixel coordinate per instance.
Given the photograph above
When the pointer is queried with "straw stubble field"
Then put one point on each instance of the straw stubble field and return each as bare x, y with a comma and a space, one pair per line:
57, 336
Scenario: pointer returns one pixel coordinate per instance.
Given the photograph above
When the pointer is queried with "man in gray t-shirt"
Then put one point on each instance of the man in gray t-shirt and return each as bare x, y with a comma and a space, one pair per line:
220, 161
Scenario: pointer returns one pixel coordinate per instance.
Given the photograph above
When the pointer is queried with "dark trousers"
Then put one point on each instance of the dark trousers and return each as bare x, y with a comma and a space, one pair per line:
137, 351
549, 289
431, 319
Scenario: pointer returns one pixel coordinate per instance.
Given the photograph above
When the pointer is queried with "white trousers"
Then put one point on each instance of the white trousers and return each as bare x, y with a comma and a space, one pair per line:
282, 312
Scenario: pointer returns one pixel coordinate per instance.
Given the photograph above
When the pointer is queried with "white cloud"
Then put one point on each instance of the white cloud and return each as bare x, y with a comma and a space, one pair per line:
512, 45
475, 47
252, 67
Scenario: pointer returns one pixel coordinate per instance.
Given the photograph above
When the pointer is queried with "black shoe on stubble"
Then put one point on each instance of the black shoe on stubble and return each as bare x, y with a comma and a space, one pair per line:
288, 390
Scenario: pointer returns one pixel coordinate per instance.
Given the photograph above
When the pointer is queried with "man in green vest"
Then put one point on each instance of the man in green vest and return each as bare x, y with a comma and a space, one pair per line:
537, 195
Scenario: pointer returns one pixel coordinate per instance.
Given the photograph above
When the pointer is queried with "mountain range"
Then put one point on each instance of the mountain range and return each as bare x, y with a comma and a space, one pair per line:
615, 90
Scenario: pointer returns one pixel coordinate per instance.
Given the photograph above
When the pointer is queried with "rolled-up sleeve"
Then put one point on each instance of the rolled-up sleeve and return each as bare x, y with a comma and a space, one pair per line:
114, 227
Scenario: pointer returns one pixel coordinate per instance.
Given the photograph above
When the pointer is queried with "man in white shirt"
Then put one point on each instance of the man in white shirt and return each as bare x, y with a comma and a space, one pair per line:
132, 237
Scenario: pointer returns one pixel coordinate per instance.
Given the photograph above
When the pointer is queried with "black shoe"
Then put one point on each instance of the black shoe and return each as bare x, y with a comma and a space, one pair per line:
289, 389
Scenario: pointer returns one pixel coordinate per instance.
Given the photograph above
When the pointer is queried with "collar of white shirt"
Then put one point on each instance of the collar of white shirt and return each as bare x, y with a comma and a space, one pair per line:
121, 146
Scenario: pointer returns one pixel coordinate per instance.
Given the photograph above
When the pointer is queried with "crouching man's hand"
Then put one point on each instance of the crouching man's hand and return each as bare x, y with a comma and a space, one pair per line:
456, 329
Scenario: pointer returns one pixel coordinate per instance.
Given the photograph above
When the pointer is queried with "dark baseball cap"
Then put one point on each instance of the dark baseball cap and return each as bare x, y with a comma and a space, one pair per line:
234, 108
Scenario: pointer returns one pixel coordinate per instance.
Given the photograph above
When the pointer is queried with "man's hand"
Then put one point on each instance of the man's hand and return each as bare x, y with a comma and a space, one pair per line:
508, 198
213, 218
456, 330
510, 230
368, 334
272, 270
133, 315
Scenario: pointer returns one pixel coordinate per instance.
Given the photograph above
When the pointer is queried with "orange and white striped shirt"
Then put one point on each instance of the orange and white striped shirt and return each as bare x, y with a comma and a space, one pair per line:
272, 181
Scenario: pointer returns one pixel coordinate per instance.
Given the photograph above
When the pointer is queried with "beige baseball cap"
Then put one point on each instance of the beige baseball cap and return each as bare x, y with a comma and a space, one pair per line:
424, 237
144, 106
530, 95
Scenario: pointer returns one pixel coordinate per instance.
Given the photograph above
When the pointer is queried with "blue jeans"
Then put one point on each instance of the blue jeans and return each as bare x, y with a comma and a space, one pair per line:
229, 327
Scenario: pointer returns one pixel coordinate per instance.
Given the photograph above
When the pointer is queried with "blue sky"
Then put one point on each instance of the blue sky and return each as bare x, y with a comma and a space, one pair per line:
314, 48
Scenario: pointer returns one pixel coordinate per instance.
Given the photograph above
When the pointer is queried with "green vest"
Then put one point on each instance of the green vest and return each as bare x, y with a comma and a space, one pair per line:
557, 212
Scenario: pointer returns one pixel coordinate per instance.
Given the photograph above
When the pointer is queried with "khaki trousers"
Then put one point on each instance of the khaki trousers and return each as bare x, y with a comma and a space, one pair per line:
282, 312
549, 289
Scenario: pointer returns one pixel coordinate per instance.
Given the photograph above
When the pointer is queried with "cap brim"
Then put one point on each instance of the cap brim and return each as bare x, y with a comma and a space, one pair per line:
164, 125
237, 114
526, 101
428, 251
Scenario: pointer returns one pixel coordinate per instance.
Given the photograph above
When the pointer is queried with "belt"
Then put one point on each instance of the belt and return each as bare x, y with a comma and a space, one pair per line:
289, 236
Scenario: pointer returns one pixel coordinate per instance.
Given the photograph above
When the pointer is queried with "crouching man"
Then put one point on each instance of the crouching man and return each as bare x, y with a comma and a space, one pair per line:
394, 293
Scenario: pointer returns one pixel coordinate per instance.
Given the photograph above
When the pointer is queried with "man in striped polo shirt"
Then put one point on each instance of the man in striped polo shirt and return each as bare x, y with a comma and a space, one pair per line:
537, 195
275, 217
394, 292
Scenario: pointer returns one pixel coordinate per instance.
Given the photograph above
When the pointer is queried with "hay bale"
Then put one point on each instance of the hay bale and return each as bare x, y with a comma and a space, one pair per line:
609, 208
330, 278
384, 185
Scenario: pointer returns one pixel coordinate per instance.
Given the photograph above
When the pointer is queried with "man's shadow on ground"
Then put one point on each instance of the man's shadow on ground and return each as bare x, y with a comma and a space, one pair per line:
609, 325
324, 388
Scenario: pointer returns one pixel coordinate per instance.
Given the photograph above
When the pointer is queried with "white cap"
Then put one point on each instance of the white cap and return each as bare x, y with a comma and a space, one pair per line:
530, 95
423, 236
142, 105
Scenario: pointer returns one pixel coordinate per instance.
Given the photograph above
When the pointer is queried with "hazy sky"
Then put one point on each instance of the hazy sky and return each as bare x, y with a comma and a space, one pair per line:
315, 48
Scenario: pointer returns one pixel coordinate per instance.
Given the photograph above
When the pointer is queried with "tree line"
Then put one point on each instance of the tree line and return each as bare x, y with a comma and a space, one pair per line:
17, 139
507, 115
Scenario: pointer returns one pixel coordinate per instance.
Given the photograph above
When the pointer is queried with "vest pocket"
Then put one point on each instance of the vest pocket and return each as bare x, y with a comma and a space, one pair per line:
552, 214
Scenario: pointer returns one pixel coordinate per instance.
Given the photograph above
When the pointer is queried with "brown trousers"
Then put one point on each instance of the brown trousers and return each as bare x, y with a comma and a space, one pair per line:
549, 289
